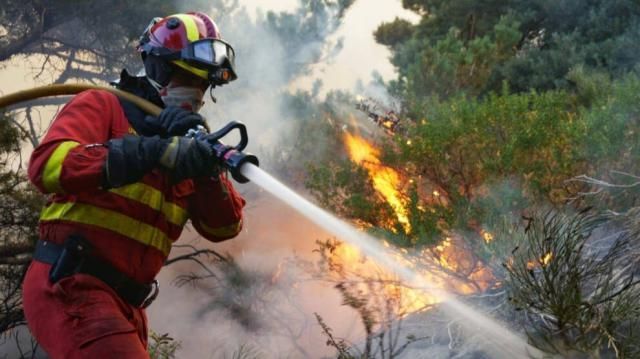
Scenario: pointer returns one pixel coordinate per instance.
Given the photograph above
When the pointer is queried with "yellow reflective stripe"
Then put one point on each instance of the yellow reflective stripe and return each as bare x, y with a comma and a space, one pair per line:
110, 220
192, 35
190, 25
53, 167
153, 198
226, 231
170, 154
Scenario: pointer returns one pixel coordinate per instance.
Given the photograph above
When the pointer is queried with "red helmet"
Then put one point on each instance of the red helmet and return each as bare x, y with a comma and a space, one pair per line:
191, 41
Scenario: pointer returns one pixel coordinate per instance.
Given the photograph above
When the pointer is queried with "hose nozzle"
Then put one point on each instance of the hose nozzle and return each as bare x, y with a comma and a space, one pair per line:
231, 157
234, 160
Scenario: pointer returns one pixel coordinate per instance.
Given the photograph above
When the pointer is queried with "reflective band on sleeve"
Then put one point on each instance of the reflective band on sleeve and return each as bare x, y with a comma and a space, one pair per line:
226, 231
53, 168
153, 198
190, 26
168, 158
109, 220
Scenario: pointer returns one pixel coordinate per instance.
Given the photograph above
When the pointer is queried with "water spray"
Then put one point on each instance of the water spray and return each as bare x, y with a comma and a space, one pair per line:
505, 343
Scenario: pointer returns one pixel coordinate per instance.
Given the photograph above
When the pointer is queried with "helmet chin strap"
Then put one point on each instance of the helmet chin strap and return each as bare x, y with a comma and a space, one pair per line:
155, 85
213, 98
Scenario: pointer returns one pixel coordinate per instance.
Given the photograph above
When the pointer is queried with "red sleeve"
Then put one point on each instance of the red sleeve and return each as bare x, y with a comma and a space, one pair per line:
71, 156
216, 209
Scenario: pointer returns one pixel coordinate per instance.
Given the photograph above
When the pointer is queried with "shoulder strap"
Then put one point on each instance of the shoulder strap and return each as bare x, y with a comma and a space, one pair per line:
136, 116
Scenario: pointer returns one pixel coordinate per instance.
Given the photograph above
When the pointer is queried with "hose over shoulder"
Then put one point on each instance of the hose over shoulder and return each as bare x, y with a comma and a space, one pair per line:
72, 89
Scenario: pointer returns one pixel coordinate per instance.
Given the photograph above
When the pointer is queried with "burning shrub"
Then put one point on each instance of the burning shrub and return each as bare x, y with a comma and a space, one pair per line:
575, 278
379, 298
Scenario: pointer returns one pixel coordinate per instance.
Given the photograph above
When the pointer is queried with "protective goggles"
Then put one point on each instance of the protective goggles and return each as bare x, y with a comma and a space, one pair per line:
216, 56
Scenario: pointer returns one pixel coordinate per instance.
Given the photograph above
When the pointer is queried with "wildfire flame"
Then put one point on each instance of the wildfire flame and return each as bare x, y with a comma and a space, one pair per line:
347, 258
446, 261
385, 179
487, 236
542, 261
409, 299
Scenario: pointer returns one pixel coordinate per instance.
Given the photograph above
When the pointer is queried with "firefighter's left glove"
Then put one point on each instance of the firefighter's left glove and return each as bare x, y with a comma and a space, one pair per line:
174, 121
131, 157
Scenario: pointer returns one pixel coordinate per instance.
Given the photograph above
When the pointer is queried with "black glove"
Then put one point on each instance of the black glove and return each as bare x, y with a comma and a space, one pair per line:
174, 121
189, 158
131, 157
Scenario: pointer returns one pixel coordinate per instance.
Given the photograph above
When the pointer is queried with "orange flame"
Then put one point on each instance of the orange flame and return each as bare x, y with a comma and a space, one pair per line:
542, 261
385, 179
450, 256
487, 236
409, 299
347, 258
453, 257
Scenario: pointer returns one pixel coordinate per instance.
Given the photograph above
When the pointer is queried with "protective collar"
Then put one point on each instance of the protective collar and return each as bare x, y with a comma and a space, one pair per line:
139, 86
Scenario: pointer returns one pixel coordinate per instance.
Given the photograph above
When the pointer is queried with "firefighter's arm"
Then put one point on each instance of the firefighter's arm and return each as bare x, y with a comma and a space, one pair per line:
215, 208
71, 156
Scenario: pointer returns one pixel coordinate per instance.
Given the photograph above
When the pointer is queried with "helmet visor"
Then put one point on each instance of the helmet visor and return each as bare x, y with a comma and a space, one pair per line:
211, 55
209, 52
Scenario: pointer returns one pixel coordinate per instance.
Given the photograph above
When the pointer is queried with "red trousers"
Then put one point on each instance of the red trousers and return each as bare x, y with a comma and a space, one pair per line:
81, 317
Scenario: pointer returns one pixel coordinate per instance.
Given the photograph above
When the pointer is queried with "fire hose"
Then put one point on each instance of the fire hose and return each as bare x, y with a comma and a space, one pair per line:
231, 157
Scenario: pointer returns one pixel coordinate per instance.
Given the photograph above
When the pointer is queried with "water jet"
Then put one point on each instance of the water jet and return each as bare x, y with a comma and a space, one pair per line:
505, 344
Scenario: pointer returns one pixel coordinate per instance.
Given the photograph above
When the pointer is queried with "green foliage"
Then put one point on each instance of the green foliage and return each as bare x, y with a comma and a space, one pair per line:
395, 32
612, 127
162, 346
474, 18
463, 144
19, 212
590, 85
104, 32
504, 103
344, 188
537, 44
452, 64
485, 157
10, 136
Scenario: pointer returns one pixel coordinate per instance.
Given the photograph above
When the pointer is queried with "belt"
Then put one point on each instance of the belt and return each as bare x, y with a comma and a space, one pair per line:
136, 294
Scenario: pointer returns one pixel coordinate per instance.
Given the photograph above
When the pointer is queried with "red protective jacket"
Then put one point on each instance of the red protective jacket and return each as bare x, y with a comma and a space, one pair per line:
131, 227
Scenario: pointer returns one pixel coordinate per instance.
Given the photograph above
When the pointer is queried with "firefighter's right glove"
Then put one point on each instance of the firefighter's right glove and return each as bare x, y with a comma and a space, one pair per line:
131, 157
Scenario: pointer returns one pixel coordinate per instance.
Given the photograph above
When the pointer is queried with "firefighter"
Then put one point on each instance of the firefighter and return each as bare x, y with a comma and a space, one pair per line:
122, 187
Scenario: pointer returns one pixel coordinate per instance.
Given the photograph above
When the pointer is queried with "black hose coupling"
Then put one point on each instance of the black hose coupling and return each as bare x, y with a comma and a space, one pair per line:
231, 157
